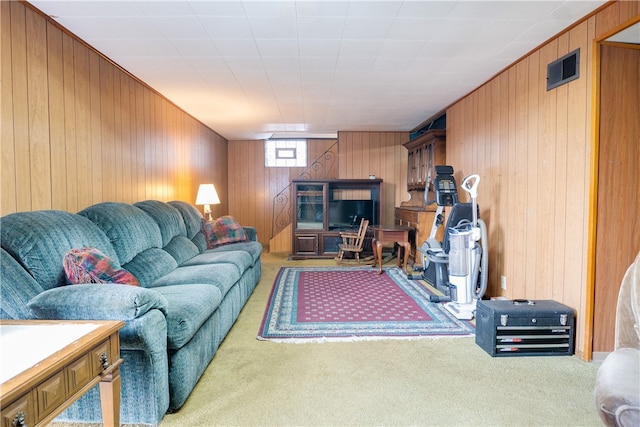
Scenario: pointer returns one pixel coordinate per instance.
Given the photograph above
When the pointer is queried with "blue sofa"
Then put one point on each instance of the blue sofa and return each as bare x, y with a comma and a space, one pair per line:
189, 297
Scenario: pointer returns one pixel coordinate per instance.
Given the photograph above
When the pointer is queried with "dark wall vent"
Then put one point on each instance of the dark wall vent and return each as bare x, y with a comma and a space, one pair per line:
563, 70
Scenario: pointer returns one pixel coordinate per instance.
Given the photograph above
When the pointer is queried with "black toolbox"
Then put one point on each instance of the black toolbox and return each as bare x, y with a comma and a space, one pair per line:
525, 328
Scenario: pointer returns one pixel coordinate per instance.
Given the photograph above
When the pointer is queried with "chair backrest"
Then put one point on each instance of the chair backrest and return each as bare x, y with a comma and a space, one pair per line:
362, 232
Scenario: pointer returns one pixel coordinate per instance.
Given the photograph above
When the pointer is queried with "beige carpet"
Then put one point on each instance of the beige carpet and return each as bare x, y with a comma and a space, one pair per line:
395, 383
425, 382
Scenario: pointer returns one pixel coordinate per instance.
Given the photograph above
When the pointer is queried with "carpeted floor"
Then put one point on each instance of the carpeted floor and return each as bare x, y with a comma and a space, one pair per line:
437, 382
349, 304
440, 382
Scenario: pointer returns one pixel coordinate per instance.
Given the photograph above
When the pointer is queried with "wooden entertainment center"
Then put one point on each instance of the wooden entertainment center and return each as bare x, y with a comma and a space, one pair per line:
425, 152
322, 208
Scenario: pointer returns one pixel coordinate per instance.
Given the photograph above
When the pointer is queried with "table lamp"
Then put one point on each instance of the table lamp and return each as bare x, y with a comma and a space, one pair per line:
207, 196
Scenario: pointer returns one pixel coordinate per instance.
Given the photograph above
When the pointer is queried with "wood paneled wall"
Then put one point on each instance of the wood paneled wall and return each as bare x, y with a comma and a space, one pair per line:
533, 151
78, 130
254, 186
380, 154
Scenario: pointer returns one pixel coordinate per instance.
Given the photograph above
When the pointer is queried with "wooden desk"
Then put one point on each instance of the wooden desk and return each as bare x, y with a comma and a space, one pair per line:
47, 365
391, 234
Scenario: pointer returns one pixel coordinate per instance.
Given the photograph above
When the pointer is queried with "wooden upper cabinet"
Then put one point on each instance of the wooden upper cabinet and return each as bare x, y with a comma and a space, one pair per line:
425, 152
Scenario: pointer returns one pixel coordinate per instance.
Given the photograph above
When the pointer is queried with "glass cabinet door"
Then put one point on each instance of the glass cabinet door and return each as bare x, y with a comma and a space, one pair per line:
309, 206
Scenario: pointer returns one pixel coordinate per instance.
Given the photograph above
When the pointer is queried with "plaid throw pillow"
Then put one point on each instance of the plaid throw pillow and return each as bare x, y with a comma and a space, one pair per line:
223, 230
89, 265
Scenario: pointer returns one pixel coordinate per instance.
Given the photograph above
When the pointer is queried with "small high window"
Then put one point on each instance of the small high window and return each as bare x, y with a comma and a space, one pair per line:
285, 152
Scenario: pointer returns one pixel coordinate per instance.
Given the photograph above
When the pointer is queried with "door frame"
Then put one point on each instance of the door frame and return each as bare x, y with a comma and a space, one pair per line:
594, 184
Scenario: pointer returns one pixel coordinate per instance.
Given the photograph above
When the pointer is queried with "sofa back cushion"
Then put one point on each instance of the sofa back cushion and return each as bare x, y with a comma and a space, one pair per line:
39, 240
128, 227
17, 288
193, 222
168, 218
136, 238
172, 228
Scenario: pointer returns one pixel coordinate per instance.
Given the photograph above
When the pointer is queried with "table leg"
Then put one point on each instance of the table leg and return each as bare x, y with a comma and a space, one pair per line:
377, 253
110, 398
406, 248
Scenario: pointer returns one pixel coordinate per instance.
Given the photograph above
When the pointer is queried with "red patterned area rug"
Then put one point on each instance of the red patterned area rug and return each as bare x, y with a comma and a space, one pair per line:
310, 304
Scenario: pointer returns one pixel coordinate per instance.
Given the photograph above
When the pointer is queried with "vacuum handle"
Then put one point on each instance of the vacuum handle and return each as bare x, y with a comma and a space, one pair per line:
470, 185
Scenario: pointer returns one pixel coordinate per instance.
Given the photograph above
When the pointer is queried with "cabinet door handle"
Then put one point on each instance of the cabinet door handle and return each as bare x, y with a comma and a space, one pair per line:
19, 420
104, 360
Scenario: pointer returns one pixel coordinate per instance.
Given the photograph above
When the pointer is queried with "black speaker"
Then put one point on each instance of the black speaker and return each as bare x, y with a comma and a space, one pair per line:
563, 70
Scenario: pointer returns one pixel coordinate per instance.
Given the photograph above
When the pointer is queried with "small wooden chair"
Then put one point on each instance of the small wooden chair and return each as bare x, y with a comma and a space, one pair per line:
353, 242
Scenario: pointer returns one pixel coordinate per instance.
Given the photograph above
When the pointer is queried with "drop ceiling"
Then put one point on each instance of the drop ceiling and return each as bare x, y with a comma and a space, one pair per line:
253, 69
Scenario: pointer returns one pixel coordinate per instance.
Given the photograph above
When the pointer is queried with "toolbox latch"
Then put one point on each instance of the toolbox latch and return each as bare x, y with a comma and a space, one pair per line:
503, 319
563, 319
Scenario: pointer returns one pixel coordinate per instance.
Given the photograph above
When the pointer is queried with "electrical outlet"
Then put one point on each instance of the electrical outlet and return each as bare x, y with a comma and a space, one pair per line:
503, 282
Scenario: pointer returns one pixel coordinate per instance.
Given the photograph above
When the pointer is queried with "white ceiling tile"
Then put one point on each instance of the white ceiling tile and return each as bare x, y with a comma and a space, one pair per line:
317, 9
281, 48
427, 9
265, 8
234, 27
180, 27
413, 28
195, 47
321, 27
367, 28
273, 27
84, 8
314, 47
249, 67
237, 47
361, 48
141, 48
217, 8
112, 28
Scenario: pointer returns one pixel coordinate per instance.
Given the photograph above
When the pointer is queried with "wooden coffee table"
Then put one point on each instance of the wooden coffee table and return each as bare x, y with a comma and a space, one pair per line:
47, 365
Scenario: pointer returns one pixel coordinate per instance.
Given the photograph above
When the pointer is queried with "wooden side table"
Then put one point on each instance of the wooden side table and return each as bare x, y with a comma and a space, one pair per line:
383, 234
48, 364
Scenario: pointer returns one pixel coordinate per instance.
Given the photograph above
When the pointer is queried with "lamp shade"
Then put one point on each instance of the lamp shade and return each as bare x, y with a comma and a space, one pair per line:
207, 195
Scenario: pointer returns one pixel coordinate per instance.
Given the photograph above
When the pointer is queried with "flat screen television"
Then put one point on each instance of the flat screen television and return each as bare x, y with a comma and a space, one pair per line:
349, 213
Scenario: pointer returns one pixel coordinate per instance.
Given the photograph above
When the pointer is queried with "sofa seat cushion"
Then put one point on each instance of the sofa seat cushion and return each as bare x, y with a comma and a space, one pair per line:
252, 248
242, 260
189, 306
617, 390
223, 276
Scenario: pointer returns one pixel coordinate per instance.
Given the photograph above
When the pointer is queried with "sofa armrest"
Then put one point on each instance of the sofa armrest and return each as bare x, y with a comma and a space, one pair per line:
252, 232
96, 302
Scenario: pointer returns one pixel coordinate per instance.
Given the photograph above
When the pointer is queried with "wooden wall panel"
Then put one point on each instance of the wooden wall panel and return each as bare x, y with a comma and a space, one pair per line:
254, 186
534, 191
358, 155
78, 130
8, 171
